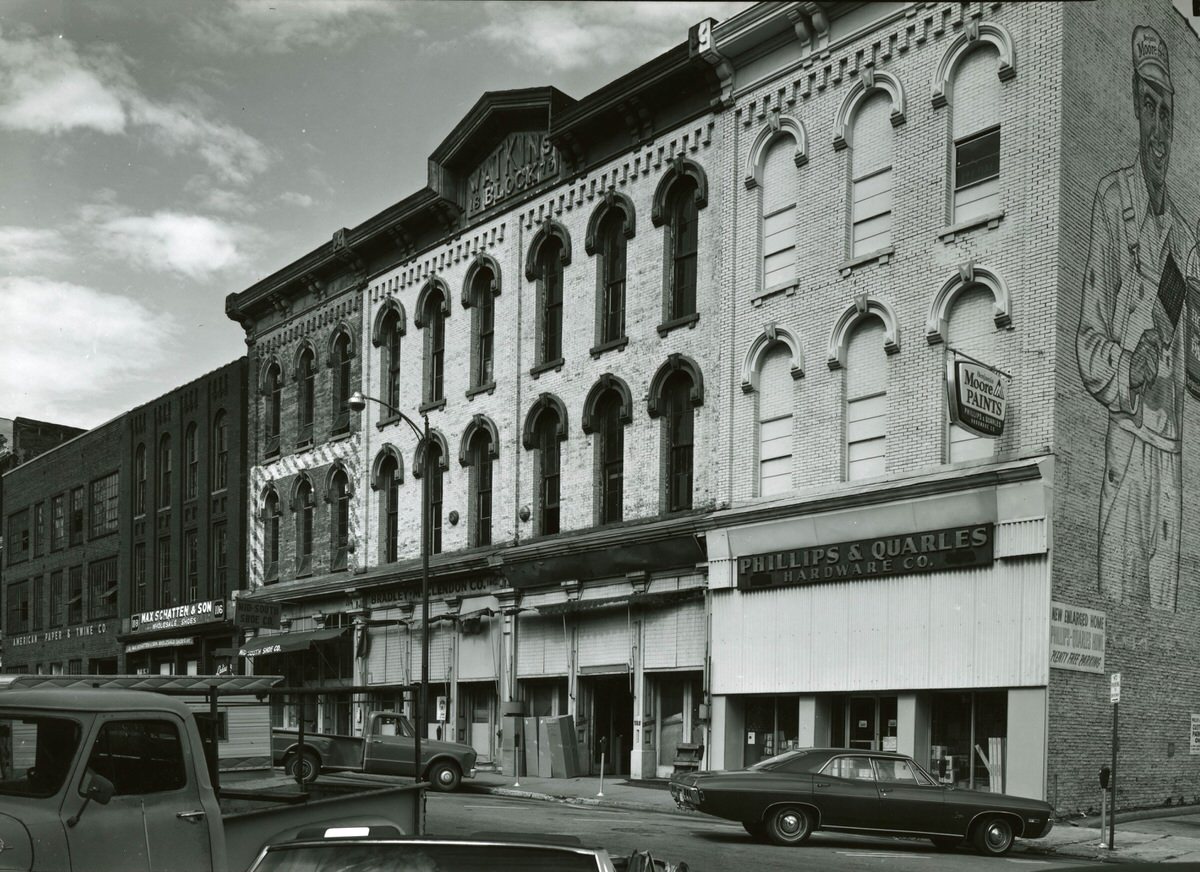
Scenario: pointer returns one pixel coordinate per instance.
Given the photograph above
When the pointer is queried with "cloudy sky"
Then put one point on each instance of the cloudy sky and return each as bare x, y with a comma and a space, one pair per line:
157, 155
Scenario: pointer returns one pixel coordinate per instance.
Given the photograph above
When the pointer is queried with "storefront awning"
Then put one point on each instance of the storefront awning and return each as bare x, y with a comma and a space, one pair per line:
636, 600
280, 643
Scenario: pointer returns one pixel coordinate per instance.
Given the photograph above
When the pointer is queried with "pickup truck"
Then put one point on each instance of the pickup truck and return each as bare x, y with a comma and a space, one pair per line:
387, 747
102, 779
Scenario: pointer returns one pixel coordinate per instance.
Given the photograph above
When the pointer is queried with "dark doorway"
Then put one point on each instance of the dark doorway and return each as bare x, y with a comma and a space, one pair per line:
612, 723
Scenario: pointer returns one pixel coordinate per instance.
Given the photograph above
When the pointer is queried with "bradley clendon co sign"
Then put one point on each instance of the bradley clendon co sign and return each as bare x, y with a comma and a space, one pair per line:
203, 612
930, 551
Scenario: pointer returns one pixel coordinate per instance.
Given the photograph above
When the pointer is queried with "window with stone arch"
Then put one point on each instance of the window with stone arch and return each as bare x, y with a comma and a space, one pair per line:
777, 215
432, 309
975, 136
479, 295
339, 518
437, 472
388, 478
305, 509
611, 226
386, 335
775, 409
479, 455
549, 253
866, 385
271, 521
679, 432
545, 429
971, 329
341, 361
610, 456
871, 175
191, 455
139, 479
220, 451
164, 472
306, 375
272, 418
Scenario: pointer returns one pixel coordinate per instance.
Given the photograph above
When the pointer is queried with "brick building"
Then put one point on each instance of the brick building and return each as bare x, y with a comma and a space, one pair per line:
62, 559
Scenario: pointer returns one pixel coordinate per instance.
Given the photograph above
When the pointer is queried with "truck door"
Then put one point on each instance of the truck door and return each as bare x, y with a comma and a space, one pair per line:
389, 748
155, 820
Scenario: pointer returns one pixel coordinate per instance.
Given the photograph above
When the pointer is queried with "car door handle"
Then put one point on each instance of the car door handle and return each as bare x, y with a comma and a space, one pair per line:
822, 784
884, 793
190, 816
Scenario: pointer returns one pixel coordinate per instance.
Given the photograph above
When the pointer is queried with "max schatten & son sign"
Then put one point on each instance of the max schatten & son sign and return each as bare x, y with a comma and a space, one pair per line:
929, 551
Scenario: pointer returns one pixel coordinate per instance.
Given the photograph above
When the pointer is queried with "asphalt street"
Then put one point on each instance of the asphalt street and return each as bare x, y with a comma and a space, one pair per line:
707, 845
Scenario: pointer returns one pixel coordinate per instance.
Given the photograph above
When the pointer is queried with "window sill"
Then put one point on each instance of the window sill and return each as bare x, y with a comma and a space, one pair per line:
273, 454
305, 574
387, 421
882, 255
787, 290
547, 366
304, 443
951, 232
611, 345
432, 406
340, 436
688, 321
489, 388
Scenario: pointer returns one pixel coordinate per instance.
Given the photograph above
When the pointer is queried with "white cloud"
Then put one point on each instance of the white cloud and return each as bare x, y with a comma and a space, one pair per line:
570, 36
191, 245
48, 87
278, 26
292, 198
100, 344
25, 248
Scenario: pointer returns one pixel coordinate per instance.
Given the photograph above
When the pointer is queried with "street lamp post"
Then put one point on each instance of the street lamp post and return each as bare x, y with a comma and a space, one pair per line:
358, 402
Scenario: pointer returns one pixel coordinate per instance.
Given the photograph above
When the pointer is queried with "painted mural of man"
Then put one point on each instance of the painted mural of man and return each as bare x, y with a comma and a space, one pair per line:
1130, 346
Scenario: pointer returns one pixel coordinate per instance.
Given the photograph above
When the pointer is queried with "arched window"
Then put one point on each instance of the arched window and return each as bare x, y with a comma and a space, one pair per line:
389, 506
550, 292
164, 472
611, 271
220, 449
971, 329
778, 214
306, 508
610, 457
139, 476
434, 317
775, 391
271, 537
390, 359
339, 518
435, 466
866, 401
975, 131
306, 386
548, 471
274, 391
483, 326
678, 424
481, 488
343, 352
681, 193
191, 453
871, 176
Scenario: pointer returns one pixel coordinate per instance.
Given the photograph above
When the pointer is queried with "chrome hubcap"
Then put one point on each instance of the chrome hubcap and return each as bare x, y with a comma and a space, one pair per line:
790, 824
445, 776
996, 836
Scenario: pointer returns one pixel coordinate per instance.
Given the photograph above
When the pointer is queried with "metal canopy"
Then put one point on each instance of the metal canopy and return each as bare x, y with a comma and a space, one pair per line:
168, 684
280, 643
634, 600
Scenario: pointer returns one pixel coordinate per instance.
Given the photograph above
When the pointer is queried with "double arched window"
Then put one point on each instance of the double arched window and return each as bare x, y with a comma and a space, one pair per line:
306, 374
305, 509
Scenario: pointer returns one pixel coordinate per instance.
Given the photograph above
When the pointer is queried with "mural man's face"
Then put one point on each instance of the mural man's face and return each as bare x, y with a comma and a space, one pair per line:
1155, 122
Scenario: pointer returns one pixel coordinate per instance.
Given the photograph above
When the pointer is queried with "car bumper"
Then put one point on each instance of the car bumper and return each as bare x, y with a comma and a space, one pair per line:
1037, 829
470, 773
686, 796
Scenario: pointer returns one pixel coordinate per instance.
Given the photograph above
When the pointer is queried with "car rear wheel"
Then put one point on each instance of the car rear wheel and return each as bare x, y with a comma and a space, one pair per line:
993, 836
789, 825
444, 776
305, 766
944, 843
757, 829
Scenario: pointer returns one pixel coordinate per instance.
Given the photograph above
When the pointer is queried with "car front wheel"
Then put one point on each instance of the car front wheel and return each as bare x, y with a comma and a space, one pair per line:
994, 836
789, 825
306, 766
444, 776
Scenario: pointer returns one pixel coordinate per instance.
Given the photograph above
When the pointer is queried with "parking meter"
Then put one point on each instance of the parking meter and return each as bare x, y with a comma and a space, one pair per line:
1105, 777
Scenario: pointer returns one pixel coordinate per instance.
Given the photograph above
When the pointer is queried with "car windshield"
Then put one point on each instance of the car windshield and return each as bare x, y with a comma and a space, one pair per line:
35, 753
424, 857
792, 760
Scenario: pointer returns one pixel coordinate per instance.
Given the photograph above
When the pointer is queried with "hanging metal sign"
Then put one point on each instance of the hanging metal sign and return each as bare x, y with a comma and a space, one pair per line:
977, 395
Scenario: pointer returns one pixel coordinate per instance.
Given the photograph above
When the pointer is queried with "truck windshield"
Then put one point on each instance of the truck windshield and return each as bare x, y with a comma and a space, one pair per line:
35, 753
394, 725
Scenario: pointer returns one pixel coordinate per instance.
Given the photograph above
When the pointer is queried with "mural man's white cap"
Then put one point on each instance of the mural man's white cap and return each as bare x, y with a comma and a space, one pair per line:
1150, 58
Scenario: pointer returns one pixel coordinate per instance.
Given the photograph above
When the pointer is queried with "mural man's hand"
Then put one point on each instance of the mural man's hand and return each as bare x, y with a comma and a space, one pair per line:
1143, 366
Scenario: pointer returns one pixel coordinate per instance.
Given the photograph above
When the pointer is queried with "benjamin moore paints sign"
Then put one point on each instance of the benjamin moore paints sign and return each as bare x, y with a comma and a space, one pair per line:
977, 394
1076, 638
189, 615
928, 551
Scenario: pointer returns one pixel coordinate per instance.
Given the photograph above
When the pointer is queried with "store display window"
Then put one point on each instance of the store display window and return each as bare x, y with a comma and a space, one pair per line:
968, 739
772, 726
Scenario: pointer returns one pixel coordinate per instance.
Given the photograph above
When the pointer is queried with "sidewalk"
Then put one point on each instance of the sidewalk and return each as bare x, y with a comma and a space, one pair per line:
1157, 836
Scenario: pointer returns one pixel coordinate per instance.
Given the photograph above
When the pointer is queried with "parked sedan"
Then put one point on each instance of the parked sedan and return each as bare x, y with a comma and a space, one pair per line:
785, 798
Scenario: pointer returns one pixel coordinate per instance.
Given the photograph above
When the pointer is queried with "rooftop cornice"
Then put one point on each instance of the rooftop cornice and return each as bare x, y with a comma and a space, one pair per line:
463, 142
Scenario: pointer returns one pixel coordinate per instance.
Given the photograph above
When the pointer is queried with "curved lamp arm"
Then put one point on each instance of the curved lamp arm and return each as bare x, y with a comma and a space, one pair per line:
358, 401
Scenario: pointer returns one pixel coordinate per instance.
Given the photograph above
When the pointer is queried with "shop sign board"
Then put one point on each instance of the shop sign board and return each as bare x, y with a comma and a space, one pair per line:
134, 647
187, 615
79, 632
964, 547
256, 614
1077, 638
520, 162
411, 593
977, 394
1195, 732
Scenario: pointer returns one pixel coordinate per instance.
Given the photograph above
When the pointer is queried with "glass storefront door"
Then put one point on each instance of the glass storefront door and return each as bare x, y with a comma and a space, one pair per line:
870, 722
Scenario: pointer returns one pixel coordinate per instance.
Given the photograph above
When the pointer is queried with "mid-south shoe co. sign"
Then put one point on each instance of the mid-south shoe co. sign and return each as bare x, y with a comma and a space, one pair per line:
187, 615
928, 551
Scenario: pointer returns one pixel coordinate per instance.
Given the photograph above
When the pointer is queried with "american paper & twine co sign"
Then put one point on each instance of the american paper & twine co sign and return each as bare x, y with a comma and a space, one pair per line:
928, 551
977, 395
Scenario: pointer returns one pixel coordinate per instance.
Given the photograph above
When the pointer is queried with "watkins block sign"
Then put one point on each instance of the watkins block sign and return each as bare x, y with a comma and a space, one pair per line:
977, 394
